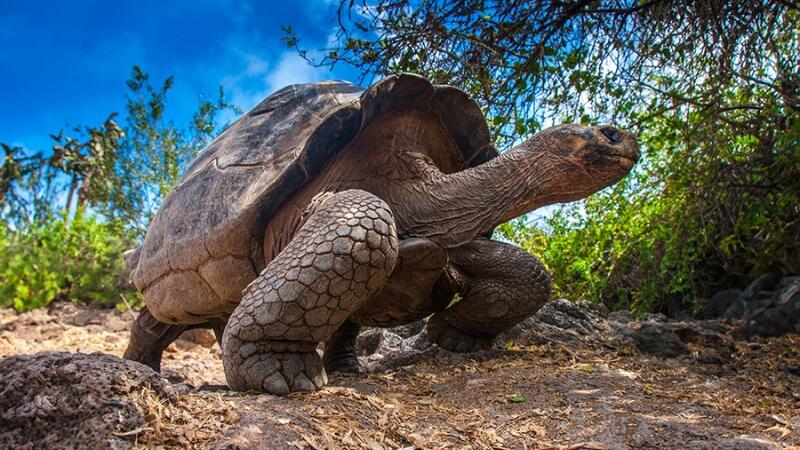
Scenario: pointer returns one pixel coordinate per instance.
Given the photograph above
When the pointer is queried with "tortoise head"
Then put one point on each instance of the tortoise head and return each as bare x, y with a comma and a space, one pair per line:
569, 162
589, 158
556, 165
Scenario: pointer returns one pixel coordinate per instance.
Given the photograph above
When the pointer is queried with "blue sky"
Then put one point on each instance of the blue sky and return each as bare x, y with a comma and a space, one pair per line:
65, 63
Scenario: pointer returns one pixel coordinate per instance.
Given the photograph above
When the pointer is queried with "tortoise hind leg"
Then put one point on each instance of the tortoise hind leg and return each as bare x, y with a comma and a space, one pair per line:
503, 285
149, 338
340, 351
340, 257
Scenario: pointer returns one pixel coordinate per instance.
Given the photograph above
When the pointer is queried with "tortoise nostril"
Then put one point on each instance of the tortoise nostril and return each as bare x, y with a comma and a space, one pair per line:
612, 134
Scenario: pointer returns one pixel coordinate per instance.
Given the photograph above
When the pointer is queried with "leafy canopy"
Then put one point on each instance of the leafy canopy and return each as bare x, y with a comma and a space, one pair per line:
711, 88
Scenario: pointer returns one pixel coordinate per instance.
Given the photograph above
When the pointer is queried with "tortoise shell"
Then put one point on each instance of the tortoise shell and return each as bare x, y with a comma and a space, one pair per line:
217, 212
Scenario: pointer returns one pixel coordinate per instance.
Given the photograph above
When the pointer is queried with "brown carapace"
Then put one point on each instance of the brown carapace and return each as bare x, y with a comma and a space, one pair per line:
328, 207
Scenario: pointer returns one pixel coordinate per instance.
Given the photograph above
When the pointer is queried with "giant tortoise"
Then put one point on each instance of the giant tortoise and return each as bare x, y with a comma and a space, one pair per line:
328, 207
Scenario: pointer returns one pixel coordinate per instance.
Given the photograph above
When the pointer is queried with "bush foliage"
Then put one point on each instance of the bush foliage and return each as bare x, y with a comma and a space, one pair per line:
711, 88
704, 211
69, 212
79, 260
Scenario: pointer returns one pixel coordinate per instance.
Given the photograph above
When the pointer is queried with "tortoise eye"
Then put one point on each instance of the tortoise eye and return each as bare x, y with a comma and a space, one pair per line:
611, 133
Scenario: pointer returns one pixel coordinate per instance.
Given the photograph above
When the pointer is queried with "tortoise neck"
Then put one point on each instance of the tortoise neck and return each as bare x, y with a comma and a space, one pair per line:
454, 209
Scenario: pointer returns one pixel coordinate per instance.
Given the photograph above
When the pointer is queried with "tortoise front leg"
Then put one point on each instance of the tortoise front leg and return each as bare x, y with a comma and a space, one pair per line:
502, 286
407, 296
339, 258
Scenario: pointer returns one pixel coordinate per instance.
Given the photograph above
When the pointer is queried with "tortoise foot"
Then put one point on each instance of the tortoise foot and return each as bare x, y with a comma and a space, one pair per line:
338, 259
452, 339
277, 373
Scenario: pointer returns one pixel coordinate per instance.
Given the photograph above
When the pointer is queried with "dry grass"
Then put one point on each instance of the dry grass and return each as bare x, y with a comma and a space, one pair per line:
190, 421
552, 396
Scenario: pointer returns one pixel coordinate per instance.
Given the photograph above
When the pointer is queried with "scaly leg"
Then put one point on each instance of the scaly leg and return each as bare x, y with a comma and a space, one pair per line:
149, 338
503, 286
341, 256
407, 296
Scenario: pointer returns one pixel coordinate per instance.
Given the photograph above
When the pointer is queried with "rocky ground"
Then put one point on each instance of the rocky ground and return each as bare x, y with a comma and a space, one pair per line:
575, 376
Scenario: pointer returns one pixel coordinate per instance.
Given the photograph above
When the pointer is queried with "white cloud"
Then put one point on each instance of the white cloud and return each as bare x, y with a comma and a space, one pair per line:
292, 69
259, 77
255, 65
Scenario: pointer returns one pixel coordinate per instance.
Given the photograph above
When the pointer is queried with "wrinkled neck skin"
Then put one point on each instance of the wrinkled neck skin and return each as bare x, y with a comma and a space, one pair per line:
454, 209
410, 162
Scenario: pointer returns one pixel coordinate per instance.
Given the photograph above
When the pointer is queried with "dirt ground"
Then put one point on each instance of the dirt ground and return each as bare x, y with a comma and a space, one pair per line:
578, 393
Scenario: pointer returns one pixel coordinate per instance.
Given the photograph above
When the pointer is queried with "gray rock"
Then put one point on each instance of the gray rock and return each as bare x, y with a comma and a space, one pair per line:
380, 341
787, 290
656, 339
765, 282
572, 324
781, 315
752, 300
560, 321
621, 316
73, 400
655, 317
581, 316
719, 303
677, 309
411, 329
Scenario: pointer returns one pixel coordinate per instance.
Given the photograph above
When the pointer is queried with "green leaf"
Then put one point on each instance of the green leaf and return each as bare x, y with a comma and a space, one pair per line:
516, 398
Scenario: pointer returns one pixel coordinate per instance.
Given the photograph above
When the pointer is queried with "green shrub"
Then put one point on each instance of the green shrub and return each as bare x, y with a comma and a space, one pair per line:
711, 206
79, 260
